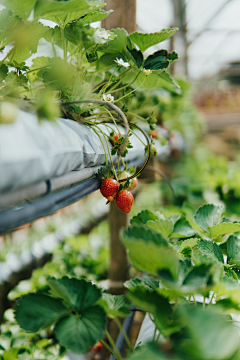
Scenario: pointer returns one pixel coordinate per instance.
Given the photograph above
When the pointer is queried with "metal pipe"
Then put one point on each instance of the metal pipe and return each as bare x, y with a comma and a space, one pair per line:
12, 219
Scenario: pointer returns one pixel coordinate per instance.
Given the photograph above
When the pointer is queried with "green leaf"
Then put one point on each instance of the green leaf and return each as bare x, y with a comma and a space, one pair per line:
35, 312
79, 333
182, 229
233, 247
151, 301
118, 44
151, 282
79, 294
160, 60
137, 56
65, 11
165, 227
211, 249
188, 243
198, 277
10, 354
21, 8
142, 232
224, 228
133, 282
151, 257
230, 274
210, 334
107, 61
144, 41
94, 16
166, 77
143, 217
115, 305
3, 72
208, 215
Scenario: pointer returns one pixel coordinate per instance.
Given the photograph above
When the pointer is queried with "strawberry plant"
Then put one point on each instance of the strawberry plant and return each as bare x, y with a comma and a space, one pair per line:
191, 291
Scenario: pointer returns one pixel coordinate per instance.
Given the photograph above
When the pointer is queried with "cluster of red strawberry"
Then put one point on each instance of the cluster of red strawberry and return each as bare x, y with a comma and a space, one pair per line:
112, 190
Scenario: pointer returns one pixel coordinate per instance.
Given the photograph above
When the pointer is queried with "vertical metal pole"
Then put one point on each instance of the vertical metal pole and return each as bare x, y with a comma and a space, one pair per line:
180, 38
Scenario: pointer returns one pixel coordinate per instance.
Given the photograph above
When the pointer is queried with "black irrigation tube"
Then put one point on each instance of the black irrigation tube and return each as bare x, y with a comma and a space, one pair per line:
49, 204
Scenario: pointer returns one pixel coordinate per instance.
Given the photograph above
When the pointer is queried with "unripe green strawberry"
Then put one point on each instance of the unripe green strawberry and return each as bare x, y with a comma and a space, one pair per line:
153, 151
109, 187
124, 201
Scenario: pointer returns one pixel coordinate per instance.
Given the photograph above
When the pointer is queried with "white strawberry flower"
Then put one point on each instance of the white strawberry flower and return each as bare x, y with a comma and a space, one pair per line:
101, 36
122, 63
108, 97
147, 71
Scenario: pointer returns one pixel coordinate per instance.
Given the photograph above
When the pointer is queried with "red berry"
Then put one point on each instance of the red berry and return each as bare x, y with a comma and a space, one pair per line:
154, 133
124, 201
135, 182
116, 137
109, 187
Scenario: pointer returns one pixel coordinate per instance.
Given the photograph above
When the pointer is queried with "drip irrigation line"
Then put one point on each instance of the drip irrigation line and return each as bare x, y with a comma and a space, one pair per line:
49, 204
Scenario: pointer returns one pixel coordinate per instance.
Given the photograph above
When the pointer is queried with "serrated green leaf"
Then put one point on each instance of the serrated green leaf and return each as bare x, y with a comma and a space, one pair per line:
144, 41
165, 227
211, 249
233, 247
208, 215
151, 257
35, 312
133, 282
210, 334
21, 8
224, 228
143, 232
230, 274
160, 60
79, 333
115, 305
146, 299
151, 301
198, 277
118, 44
151, 282
79, 294
188, 243
65, 11
143, 217
166, 77
182, 229
94, 16
136, 56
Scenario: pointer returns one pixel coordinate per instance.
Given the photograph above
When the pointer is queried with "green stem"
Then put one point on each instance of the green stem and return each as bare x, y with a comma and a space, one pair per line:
102, 144
194, 299
138, 137
104, 88
108, 347
123, 332
131, 91
109, 112
137, 116
120, 80
211, 301
204, 301
119, 357
109, 151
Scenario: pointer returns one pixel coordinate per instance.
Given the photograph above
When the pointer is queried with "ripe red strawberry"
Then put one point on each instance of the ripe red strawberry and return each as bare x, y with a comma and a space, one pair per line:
124, 201
109, 187
135, 182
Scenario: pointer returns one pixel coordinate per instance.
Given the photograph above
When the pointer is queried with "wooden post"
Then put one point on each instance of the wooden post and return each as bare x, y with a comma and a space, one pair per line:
124, 15
118, 270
